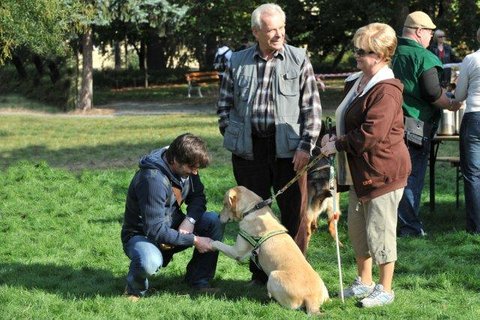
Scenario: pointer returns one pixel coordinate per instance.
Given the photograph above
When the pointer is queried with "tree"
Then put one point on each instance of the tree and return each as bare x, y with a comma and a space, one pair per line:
38, 26
212, 21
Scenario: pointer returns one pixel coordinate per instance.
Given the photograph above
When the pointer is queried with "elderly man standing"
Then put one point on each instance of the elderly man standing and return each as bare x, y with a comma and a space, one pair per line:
270, 116
418, 69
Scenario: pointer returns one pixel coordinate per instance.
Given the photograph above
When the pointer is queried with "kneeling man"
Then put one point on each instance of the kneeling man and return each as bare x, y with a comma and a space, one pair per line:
155, 228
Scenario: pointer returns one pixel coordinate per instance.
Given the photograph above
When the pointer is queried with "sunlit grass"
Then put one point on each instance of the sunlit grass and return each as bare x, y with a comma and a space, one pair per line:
63, 182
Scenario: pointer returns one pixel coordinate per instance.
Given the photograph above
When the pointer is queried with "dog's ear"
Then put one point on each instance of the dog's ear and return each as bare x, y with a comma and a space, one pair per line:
232, 199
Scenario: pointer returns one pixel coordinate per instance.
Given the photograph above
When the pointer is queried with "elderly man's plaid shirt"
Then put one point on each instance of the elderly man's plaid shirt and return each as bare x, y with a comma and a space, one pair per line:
263, 116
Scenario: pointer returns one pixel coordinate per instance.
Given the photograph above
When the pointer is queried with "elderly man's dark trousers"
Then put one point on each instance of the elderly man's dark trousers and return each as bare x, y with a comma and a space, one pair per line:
264, 173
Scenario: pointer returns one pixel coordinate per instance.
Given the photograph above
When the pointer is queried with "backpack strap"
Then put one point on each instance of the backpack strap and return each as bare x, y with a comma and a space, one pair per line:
178, 194
176, 191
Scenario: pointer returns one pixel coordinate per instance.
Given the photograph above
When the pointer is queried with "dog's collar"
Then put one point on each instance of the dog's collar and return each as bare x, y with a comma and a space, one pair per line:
258, 206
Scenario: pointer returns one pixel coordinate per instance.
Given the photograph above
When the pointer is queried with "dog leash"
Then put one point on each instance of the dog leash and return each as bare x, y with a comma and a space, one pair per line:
333, 191
268, 201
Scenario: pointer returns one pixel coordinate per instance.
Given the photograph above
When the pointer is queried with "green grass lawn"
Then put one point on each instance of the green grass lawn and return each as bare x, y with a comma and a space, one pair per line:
63, 182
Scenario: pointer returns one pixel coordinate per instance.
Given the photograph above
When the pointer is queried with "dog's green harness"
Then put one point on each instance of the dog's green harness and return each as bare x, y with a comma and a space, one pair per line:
256, 242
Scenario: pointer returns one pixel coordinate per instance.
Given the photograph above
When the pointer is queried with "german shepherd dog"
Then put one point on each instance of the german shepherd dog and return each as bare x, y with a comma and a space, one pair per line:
319, 200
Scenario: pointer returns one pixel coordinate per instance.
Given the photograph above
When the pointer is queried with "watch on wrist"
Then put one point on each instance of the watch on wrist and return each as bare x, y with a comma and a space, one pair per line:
191, 220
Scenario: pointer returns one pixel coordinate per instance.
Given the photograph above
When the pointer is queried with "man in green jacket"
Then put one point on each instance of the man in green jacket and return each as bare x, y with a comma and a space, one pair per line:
419, 70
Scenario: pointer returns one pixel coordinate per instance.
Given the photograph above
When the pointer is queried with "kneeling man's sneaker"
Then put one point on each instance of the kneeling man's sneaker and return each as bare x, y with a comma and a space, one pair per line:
377, 298
358, 289
131, 297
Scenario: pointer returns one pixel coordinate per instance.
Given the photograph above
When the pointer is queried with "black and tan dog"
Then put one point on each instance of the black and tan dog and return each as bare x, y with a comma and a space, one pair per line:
291, 279
320, 199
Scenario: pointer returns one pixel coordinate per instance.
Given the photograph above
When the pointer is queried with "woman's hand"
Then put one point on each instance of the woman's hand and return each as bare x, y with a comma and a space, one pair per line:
329, 147
326, 138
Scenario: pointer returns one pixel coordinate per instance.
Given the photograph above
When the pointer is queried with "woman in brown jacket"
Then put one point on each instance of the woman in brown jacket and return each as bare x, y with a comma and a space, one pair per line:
372, 160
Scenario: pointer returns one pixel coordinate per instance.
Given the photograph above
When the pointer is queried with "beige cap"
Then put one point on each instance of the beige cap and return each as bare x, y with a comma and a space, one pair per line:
419, 19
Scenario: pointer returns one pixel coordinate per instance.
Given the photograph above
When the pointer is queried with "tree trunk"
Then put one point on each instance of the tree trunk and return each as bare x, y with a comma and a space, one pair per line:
155, 53
142, 58
118, 56
401, 8
17, 61
54, 71
86, 90
125, 44
145, 65
210, 50
338, 57
37, 61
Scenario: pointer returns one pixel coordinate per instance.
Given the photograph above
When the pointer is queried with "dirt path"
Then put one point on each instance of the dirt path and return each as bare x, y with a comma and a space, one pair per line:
122, 108
126, 108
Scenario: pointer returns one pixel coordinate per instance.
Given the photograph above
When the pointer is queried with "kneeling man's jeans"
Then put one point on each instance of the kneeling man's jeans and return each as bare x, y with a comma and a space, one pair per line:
146, 258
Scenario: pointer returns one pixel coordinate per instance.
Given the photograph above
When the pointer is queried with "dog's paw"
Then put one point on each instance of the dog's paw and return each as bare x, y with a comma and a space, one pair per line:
215, 245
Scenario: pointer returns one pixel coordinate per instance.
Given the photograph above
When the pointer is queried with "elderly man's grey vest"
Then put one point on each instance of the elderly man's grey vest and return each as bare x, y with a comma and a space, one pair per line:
286, 95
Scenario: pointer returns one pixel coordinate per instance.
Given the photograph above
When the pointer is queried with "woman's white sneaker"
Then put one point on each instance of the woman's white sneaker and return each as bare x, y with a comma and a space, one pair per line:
358, 289
379, 297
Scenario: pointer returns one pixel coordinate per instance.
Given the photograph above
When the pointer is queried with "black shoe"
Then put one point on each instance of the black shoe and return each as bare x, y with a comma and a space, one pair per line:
412, 234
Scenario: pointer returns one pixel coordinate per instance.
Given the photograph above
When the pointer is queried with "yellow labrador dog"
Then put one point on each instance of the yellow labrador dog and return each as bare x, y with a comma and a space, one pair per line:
291, 279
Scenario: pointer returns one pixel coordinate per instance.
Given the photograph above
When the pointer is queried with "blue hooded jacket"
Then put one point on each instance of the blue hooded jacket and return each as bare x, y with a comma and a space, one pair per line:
151, 208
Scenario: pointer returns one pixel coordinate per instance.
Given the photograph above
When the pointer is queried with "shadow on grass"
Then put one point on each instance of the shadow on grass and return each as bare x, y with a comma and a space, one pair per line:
62, 280
230, 289
118, 155
71, 283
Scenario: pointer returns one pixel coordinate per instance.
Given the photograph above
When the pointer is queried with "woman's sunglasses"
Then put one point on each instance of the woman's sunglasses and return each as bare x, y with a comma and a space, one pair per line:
360, 52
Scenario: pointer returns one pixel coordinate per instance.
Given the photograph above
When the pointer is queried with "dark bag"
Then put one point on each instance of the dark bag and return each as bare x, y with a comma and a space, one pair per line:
417, 132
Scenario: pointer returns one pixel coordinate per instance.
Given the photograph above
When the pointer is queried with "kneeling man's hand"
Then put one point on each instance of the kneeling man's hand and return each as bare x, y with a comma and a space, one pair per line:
203, 244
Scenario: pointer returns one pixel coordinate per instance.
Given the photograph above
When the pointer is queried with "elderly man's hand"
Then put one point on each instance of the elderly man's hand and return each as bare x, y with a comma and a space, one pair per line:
300, 160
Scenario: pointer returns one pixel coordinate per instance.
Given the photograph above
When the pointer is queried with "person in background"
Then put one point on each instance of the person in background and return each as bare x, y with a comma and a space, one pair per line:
445, 53
270, 116
222, 60
372, 160
154, 226
423, 99
468, 87
245, 44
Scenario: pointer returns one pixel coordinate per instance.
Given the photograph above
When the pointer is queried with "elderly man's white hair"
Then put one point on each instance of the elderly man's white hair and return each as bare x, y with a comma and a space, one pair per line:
265, 8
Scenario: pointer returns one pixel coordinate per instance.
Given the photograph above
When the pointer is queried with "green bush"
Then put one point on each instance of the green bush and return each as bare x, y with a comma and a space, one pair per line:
39, 88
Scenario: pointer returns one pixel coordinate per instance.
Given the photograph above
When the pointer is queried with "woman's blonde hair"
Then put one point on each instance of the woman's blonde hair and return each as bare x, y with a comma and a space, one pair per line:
377, 37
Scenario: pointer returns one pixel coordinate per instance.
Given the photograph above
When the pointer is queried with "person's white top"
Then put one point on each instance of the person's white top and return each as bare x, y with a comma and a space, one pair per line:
468, 83
222, 50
